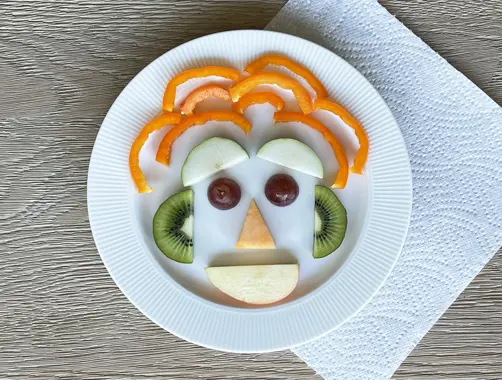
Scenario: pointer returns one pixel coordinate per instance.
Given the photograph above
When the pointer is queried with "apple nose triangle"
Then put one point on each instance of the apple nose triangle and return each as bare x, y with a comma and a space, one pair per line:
255, 233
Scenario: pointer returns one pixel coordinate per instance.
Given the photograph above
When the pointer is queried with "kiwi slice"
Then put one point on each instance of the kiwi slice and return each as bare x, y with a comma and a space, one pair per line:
173, 227
330, 222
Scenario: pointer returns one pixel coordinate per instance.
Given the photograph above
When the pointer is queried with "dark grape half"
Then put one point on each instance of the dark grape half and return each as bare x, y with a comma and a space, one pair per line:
224, 194
281, 190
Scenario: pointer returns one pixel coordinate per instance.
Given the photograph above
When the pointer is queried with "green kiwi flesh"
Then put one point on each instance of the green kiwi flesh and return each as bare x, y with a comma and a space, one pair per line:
330, 222
173, 227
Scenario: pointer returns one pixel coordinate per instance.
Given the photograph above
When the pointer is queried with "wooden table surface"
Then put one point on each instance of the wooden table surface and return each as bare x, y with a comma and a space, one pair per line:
61, 66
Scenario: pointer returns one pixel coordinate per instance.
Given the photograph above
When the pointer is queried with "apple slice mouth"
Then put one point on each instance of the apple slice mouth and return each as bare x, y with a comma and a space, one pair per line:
255, 284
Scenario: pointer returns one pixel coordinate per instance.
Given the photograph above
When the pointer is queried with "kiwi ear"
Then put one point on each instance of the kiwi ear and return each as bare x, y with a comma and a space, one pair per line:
173, 227
330, 222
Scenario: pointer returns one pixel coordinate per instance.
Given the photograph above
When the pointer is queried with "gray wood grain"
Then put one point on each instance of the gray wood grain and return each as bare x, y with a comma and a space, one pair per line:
61, 66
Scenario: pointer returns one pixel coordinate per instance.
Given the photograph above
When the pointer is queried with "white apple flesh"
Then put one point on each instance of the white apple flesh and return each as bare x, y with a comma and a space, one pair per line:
255, 284
209, 157
292, 154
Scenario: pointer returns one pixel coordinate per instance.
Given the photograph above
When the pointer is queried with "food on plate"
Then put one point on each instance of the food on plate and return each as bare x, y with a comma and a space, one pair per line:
164, 151
202, 93
281, 190
287, 83
330, 222
173, 227
280, 60
154, 125
209, 157
252, 98
224, 193
351, 121
255, 233
255, 284
336, 146
173, 223
202, 72
292, 154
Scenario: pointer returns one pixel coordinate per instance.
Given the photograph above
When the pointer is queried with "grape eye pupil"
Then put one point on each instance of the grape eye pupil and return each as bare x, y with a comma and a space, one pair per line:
224, 193
281, 190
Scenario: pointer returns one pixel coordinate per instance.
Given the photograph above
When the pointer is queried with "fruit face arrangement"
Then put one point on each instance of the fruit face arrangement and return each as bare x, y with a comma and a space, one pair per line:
173, 223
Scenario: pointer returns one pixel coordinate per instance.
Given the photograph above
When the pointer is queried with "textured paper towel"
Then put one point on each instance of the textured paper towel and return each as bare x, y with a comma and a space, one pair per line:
453, 132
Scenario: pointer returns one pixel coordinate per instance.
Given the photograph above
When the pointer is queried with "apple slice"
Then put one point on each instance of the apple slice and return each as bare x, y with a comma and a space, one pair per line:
209, 157
292, 154
255, 284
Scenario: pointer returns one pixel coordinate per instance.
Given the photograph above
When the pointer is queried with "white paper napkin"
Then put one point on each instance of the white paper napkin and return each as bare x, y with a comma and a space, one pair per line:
453, 132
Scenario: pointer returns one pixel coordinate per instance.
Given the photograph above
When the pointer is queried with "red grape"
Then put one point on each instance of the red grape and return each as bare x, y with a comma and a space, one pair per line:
224, 194
281, 190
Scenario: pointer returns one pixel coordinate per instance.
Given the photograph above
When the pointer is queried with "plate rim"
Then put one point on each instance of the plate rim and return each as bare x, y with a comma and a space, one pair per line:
278, 308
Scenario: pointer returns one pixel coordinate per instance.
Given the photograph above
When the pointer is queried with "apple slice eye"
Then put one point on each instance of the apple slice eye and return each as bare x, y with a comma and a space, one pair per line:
224, 193
281, 190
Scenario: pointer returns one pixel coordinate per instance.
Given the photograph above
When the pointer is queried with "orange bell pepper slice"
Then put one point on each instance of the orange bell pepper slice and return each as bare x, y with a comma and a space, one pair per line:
154, 125
287, 83
362, 153
165, 147
279, 60
202, 93
252, 98
336, 146
202, 72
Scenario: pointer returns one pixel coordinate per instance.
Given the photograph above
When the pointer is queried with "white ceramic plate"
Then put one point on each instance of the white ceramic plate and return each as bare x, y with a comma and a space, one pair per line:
178, 297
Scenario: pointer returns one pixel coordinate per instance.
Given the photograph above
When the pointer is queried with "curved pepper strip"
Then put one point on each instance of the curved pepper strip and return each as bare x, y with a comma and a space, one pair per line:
279, 60
202, 93
252, 98
154, 125
287, 83
362, 153
165, 147
336, 146
202, 72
